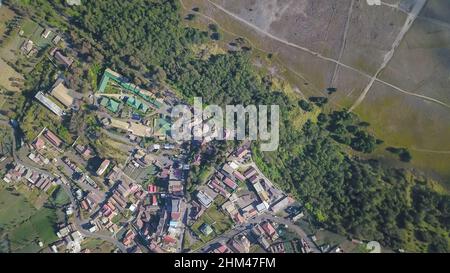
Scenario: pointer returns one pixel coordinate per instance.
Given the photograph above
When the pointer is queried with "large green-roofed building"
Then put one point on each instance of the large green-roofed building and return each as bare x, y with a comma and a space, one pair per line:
123, 82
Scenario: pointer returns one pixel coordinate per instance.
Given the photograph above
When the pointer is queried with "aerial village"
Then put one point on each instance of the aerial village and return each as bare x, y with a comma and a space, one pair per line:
146, 201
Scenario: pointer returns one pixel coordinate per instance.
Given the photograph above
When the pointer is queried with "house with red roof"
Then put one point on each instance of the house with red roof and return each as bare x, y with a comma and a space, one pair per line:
169, 240
250, 172
53, 138
268, 229
39, 144
239, 176
230, 183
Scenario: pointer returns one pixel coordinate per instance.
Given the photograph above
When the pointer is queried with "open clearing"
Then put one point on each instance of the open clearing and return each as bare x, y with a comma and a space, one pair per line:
8, 77
22, 224
397, 118
5, 15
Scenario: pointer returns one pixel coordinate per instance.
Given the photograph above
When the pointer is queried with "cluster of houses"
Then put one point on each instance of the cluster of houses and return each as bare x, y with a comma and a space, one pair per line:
84, 151
155, 213
60, 57
225, 182
29, 48
238, 244
120, 200
170, 229
75, 173
265, 234
39, 159
33, 178
70, 240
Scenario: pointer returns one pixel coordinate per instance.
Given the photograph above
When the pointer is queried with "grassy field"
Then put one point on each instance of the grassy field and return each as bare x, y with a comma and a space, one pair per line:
37, 227
230, 31
395, 119
24, 225
10, 80
6, 140
34, 196
218, 221
14, 208
6, 15
59, 197
9, 76
109, 148
97, 246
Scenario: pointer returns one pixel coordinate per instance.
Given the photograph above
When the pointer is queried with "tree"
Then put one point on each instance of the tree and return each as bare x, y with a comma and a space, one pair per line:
306, 106
319, 101
213, 27
190, 17
216, 36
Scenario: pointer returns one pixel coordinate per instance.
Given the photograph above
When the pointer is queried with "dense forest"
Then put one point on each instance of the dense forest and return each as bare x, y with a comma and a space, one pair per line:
360, 198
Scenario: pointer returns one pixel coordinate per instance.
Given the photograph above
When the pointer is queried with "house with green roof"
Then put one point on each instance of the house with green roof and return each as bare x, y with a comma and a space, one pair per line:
137, 104
110, 104
125, 84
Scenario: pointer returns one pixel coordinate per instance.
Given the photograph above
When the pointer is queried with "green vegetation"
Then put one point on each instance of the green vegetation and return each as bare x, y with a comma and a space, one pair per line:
306, 106
59, 198
211, 156
214, 217
34, 116
37, 117
6, 141
93, 74
359, 198
21, 225
347, 129
403, 153
344, 194
98, 246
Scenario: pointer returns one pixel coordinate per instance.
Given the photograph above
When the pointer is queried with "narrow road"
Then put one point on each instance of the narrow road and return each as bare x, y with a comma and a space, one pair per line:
431, 20
388, 56
20, 161
396, 88
344, 42
265, 33
258, 219
430, 151
78, 222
